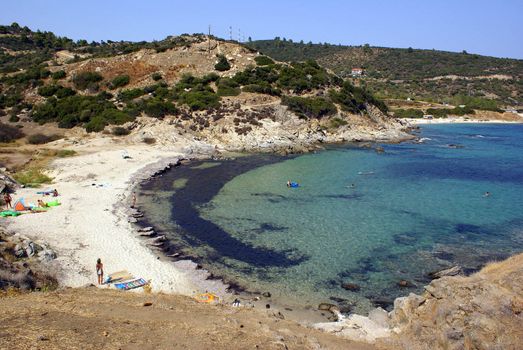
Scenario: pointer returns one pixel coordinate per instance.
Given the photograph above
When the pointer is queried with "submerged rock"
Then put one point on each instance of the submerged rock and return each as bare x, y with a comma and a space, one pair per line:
405, 284
351, 286
453, 271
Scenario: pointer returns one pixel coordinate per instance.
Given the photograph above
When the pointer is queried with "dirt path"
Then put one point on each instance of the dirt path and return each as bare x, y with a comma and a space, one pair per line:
91, 318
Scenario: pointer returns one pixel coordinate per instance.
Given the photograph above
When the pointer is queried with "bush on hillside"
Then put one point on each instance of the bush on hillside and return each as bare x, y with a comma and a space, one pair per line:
157, 108
309, 107
156, 76
335, 123
107, 117
262, 88
200, 100
223, 64
263, 60
58, 75
131, 94
119, 81
408, 113
353, 99
63, 92
195, 93
84, 80
9, 133
228, 87
55, 90
304, 76
149, 140
120, 131
48, 90
40, 139
93, 112
472, 102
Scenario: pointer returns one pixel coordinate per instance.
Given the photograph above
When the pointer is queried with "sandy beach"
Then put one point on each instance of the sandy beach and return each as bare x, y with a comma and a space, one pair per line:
92, 222
458, 120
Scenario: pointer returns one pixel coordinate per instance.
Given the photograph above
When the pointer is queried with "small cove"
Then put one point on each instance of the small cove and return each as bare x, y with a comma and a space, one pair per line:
413, 209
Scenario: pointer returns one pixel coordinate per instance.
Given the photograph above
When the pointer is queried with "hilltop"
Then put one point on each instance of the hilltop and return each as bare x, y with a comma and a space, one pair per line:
430, 75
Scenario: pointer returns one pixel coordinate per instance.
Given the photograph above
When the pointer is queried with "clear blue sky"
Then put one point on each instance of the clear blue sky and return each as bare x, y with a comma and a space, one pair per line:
492, 27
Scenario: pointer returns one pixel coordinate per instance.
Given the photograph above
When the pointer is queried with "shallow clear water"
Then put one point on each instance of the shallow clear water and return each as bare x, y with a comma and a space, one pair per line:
413, 209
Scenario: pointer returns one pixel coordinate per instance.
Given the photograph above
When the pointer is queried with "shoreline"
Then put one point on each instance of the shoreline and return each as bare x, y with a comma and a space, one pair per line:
457, 120
101, 228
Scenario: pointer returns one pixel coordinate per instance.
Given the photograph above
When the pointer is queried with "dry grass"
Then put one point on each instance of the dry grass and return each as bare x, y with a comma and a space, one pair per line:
512, 264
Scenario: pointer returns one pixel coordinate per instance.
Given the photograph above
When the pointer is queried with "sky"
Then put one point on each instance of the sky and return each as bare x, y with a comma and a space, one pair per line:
492, 28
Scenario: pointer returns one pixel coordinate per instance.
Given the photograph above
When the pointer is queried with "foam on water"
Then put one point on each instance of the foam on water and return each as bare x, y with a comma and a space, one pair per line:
359, 216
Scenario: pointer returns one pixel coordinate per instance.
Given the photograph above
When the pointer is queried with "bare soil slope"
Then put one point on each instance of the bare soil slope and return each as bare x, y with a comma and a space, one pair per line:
91, 318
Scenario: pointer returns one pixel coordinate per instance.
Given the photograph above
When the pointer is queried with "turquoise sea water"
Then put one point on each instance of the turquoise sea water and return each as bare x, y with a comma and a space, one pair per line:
359, 216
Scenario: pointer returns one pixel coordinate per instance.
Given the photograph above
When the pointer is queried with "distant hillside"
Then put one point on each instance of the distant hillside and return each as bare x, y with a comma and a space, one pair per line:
400, 73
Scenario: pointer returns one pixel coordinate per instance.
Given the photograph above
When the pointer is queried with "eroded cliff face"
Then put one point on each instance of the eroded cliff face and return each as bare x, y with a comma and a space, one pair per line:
482, 311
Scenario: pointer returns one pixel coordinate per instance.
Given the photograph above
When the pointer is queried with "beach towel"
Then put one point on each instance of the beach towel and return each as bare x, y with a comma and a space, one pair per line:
45, 192
137, 283
119, 276
6, 213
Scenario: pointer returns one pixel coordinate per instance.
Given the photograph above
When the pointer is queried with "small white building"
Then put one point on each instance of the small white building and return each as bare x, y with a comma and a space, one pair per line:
357, 72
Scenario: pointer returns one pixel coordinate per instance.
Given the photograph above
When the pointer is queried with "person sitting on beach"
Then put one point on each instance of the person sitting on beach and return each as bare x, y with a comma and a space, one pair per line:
100, 271
55, 193
41, 204
236, 302
7, 200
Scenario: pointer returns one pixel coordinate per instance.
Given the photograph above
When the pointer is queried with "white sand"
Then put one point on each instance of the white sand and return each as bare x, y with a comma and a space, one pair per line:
92, 221
456, 120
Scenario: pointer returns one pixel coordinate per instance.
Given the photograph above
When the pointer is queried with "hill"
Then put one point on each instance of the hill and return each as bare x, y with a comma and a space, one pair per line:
423, 74
201, 85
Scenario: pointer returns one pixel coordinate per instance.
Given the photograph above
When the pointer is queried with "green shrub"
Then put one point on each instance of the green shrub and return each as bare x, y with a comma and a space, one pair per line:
223, 64
309, 107
263, 60
64, 92
120, 131
228, 87
157, 108
157, 76
9, 133
32, 177
303, 76
84, 80
95, 112
208, 78
58, 75
263, 88
40, 139
353, 99
63, 153
119, 81
408, 113
131, 94
337, 122
200, 100
476, 103
48, 90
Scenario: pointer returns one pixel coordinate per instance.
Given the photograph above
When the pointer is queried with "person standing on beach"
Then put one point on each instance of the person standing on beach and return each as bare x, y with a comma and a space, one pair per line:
100, 271
133, 201
7, 200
